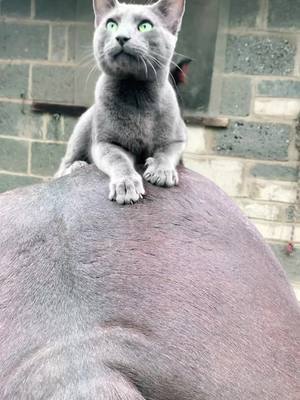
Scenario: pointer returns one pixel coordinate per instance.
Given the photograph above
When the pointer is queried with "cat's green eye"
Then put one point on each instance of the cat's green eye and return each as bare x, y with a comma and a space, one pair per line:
112, 26
145, 26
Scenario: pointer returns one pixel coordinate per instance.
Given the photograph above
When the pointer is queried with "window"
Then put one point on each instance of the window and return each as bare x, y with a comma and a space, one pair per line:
197, 40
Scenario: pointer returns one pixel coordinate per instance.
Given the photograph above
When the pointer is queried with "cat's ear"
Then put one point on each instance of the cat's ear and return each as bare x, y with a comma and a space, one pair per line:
102, 7
172, 11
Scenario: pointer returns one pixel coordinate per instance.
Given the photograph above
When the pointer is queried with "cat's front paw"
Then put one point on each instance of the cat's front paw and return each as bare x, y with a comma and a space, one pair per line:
160, 173
126, 190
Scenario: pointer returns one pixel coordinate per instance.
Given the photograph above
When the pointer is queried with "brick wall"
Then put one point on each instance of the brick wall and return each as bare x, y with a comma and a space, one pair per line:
257, 85
44, 52
44, 46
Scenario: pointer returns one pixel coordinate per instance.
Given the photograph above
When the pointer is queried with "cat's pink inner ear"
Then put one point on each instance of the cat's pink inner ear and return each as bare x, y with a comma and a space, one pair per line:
102, 7
172, 11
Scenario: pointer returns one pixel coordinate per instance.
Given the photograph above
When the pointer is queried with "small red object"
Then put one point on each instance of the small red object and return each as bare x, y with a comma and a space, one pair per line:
183, 73
290, 248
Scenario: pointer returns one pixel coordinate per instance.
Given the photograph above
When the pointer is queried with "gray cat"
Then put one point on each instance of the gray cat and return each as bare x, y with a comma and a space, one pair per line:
136, 117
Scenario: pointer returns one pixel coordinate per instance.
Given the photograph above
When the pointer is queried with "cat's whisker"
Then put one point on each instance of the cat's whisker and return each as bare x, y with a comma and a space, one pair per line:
151, 65
141, 55
88, 63
180, 69
181, 55
140, 50
170, 61
87, 58
94, 68
86, 49
102, 55
170, 75
174, 84
87, 54
147, 58
157, 62
146, 68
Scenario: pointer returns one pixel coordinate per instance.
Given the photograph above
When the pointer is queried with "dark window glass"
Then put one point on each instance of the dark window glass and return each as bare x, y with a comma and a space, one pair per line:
197, 40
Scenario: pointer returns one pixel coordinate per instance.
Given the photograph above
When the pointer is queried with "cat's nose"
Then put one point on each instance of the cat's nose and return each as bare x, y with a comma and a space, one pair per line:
122, 40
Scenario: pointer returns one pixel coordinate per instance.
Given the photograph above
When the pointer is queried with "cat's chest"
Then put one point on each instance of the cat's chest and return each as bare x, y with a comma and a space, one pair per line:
134, 129
136, 132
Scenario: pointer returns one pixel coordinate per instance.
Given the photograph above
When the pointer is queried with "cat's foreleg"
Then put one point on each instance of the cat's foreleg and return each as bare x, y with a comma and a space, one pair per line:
161, 168
78, 145
126, 185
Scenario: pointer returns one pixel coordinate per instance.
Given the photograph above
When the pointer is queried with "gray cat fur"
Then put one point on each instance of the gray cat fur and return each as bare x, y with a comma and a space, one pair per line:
175, 298
136, 117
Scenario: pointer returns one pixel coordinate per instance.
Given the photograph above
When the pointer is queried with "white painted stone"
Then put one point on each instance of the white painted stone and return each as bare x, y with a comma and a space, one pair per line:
269, 191
296, 288
226, 173
297, 234
265, 211
274, 107
274, 231
196, 140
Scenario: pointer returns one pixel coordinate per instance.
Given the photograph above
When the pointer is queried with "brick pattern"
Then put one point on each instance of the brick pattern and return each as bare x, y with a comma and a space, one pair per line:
284, 14
255, 160
43, 52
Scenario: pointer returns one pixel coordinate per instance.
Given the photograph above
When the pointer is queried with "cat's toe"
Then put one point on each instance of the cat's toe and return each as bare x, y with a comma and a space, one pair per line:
131, 195
171, 178
112, 192
128, 190
158, 178
120, 193
161, 177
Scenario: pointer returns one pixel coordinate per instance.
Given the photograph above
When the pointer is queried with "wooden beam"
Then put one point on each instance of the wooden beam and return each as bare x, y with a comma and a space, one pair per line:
213, 122
77, 111
56, 108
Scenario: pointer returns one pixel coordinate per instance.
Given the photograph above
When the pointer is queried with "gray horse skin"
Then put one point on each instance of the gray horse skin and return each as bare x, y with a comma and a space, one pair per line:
175, 298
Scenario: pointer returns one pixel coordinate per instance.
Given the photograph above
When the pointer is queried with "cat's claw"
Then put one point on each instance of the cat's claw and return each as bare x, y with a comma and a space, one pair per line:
126, 190
160, 173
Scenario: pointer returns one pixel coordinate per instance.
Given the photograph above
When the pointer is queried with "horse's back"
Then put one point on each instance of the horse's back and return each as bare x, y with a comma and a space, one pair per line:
177, 293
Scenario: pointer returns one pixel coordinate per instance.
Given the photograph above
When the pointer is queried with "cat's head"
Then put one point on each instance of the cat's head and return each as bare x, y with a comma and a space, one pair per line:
136, 41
